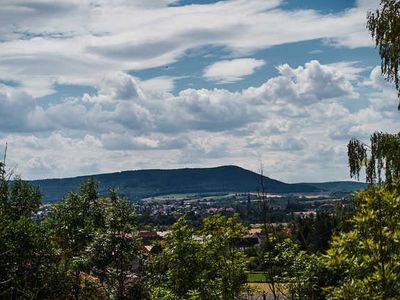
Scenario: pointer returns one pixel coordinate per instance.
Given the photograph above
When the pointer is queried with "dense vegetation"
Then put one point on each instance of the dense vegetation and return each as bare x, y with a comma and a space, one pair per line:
84, 248
88, 247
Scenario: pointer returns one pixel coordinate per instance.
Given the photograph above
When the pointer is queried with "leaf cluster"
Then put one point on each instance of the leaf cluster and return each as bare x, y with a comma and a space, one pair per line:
384, 25
200, 263
381, 159
367, 257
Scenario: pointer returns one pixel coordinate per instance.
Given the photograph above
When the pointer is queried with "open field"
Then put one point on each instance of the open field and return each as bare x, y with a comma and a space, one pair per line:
256, 277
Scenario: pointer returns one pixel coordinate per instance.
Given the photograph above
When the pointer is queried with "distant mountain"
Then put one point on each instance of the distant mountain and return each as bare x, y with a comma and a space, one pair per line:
338, 186
148, 183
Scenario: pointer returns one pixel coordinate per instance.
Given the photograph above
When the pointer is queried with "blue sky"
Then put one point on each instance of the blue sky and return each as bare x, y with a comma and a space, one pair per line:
100, 86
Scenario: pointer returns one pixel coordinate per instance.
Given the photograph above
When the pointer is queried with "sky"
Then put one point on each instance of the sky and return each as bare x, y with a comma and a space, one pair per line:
109, 85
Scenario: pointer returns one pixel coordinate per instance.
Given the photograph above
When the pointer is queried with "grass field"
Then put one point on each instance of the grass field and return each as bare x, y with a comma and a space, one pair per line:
260, 287
256, 277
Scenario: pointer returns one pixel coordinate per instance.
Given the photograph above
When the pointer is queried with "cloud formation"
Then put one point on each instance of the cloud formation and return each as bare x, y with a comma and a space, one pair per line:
121, 104
292, 121
44, 43
298, 119
227, 71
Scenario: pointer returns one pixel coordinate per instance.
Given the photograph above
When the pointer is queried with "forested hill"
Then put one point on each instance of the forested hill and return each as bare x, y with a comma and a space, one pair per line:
146, 183
338, 186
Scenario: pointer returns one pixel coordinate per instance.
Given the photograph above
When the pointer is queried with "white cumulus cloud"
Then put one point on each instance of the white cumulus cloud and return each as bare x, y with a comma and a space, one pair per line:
226, 71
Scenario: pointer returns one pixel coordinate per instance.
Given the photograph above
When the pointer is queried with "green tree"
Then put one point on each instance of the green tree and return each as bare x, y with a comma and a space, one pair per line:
384, 25
72, 224
28, 265
301, 275
114, 253
227, 263
17, 198
269, 264
24, 199
178, 268
367, 258
313, 233
381, 159
202, 263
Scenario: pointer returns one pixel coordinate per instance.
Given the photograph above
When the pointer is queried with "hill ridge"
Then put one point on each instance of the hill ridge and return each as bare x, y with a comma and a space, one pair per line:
136, 184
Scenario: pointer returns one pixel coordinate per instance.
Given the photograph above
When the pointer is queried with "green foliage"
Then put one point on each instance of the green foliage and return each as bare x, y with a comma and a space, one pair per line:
384, 25
19, 198
382, 155
88, 189
71, 225
86, 248
161, 293
292, 273
200, 263
314, 232
97, 241
24, 199
256, 277
3, 187
367, 258
28, 268
114, 253
357, 155
306, 276
221, 235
